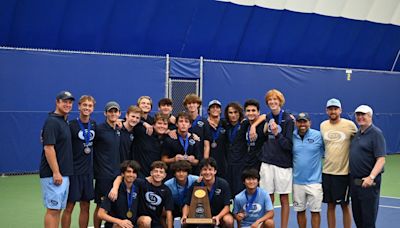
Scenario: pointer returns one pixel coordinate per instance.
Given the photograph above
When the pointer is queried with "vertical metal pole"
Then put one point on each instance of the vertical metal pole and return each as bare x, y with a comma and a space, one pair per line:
201, 82
167, 92
395, 61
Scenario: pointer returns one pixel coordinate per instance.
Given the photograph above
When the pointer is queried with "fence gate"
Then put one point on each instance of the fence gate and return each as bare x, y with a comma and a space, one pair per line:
183, 76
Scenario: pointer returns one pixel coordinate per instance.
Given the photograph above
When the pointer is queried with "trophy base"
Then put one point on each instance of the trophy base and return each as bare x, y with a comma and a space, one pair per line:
209, 221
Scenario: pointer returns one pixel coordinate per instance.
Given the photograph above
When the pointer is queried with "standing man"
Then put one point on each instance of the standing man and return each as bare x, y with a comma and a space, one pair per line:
367, 158
217, 133
57, 160
308, 150
337, 134
106, 155
276, 154
81, 183
192, 103
132, 118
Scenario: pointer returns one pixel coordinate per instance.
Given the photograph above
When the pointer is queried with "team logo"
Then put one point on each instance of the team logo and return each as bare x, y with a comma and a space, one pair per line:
310, 140
53, 202
254, 207
199, 210
191, 142
222, 131
134, 195
200, 123
335, 136
131, 137
153, 198
81, 137
118, 133
218, 191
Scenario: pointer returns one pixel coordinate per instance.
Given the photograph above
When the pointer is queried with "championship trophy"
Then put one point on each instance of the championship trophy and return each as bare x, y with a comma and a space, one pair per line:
199, 209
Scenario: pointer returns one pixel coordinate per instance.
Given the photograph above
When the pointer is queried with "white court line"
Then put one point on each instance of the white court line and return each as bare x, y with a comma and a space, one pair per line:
279, 206
394, 207
391, 197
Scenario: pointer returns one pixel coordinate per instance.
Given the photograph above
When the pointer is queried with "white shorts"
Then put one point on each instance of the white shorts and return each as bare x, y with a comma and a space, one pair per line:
274, 179
310, 195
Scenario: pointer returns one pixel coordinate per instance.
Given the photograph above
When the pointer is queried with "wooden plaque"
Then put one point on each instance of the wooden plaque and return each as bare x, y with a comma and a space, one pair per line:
199, 209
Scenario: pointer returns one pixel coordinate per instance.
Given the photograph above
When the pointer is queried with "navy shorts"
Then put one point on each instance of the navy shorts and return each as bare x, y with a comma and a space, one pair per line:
81, 188
336, 188
102, 188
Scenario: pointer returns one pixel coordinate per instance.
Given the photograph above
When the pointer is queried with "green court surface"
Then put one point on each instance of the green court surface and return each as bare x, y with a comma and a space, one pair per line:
21, 205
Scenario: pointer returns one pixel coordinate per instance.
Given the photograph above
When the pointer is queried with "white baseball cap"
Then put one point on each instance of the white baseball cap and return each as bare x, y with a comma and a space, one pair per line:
364, 109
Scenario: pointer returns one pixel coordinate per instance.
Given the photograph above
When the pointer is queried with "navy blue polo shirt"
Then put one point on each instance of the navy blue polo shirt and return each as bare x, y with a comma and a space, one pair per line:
56, 132
119, 208
252, 158
200, 128
218, 200
220, 140
237, 148
146, 149
106, 152
83, 162
126, 148
365, 148
277, 150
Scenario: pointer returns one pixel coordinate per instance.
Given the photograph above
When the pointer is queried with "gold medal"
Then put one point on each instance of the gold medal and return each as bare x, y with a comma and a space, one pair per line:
129, 214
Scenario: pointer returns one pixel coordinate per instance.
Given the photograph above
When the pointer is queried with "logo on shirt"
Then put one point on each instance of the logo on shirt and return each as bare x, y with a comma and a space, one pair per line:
218, 191
191, 142
81, 137
222, 131
310, 140
334, 136
134, 195
153, 199
131, 137
254, 207
200, 123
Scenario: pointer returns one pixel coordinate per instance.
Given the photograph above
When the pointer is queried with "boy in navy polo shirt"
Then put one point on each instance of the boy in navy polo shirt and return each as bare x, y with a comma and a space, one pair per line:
57, 162
192, 103
156, 198
81, 183
132, 118
183, 148
218, 194
165, 107
106, 155
123, 211
253, 206
146, 104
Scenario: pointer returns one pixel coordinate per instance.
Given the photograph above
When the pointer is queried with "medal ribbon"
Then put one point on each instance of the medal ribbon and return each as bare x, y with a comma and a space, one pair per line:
216, 132
86, 134
279, 117
129, 196
233, 132
198, 118
251, 201
248, 136
185, 144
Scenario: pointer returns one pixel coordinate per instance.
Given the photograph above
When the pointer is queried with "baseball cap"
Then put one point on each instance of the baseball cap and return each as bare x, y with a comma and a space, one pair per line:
364, 109
65, 95
303, 116
110, 105
333, 102
213, 102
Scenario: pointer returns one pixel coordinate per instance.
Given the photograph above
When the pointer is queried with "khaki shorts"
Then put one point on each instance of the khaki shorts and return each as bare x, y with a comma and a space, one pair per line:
307, 195
274, 179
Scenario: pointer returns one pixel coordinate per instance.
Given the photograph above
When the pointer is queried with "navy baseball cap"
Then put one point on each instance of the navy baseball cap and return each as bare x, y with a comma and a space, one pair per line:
65, 95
